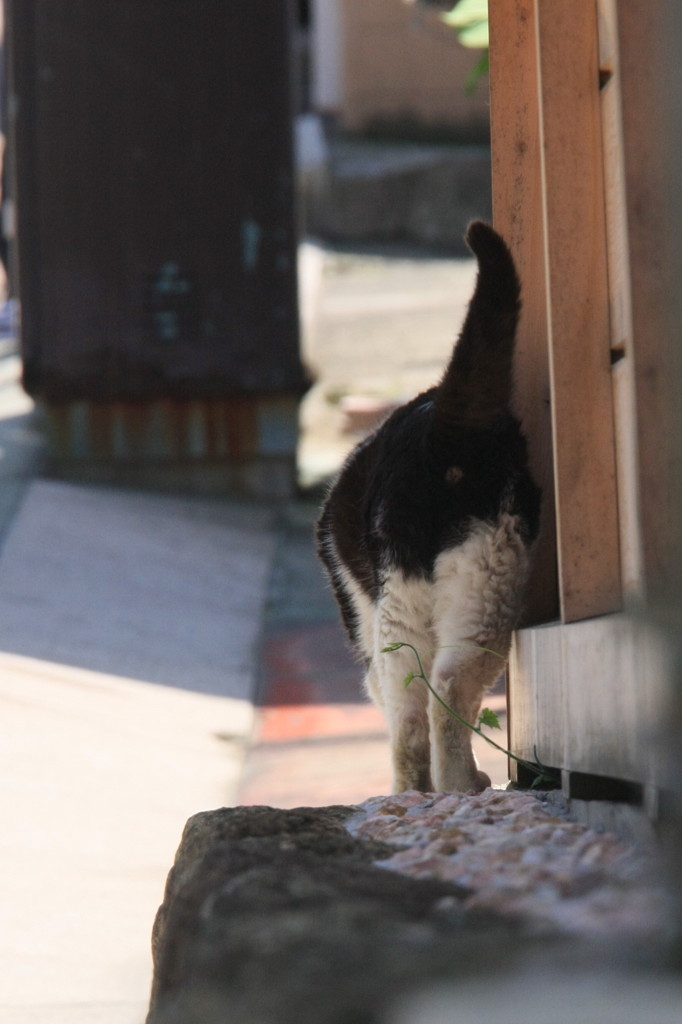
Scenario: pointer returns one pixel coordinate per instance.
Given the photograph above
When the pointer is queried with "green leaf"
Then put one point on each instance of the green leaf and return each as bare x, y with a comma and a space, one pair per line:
475, 37
489, 718
465, 11
408, 679
470, 20
391, 647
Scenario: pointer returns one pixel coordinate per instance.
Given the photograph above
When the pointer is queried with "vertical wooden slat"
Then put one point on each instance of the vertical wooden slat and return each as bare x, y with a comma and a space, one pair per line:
614, 183
518, 215
620, 306
582, 408
646, 137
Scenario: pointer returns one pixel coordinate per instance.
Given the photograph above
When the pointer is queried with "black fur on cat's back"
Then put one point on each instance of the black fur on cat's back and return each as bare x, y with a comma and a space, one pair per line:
452, 457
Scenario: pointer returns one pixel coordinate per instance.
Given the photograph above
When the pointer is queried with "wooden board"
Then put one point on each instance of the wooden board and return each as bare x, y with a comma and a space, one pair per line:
518, 215
620, 305
565, 700
591, 695
646, 132
580, 364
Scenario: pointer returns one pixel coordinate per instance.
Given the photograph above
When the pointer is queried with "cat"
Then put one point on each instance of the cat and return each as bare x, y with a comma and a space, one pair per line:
427, 535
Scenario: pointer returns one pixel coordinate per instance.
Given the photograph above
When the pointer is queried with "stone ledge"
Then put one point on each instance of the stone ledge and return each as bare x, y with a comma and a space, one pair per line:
281, 917
336, 914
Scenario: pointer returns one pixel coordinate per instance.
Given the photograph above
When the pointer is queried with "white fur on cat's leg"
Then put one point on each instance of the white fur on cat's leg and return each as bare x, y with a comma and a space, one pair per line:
406, 711
477, 597
407, 716
403, 615
460, 678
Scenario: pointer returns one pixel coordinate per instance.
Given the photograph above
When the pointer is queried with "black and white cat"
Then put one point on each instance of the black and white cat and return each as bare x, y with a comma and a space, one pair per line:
426, 537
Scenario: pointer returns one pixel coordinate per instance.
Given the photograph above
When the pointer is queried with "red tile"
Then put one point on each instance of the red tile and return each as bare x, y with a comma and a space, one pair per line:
304, 721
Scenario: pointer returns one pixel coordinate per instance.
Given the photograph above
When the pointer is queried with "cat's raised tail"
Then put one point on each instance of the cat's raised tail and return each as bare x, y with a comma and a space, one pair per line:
476, 388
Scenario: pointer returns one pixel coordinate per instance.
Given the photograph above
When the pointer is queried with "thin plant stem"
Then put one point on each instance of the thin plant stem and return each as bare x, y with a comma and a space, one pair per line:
539, 770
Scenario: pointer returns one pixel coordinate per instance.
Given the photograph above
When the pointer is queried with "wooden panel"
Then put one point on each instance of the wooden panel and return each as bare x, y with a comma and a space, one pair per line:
649, 202
622, 356
577, 694
584, 455
591, 694
624, 413
155, 198
518, 215
614, 181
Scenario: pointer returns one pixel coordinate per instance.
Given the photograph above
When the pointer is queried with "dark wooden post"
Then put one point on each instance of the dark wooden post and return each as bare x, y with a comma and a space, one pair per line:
157, 257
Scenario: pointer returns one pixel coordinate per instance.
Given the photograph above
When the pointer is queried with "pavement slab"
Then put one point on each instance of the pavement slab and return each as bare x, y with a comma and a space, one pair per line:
98, 776
166, 590
129, 635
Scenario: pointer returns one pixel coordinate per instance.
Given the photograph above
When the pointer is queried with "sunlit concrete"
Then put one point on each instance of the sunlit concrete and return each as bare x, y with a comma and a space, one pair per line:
129, 628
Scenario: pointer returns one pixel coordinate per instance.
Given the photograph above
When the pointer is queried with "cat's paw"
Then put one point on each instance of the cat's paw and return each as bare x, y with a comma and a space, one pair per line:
482, 782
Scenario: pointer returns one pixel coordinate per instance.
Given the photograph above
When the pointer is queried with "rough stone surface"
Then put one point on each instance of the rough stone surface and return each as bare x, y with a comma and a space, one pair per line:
334, 915
276, 917
519, 855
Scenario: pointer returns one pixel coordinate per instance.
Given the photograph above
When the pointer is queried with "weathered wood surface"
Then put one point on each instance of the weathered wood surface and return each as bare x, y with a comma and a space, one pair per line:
646, 139
589, 695
580, 365
578, 185
620, 304
518, 215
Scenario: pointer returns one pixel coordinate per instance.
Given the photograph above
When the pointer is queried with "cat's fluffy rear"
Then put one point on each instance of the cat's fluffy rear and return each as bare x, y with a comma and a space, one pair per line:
426, 538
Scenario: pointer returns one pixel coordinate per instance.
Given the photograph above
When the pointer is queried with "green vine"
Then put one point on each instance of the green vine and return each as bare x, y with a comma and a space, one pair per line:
487, 718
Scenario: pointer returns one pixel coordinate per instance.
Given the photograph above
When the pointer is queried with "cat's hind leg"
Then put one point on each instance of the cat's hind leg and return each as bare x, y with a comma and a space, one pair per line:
460, 676
406, 710
478, 587
403, 615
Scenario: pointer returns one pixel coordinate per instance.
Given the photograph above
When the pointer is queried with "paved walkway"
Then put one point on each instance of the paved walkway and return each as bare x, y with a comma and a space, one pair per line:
164, 655
129, 631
